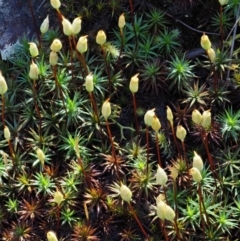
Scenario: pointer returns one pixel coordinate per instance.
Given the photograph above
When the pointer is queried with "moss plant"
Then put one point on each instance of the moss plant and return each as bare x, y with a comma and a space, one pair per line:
229, 124
156, 20
168, 41
180, 73
196, 96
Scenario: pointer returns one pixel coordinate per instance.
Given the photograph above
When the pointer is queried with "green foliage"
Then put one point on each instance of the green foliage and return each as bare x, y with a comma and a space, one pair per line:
233, 6
139, 28
151, 76
68, 216
156, 20
52, 34
168, 41
222, 59
43, 183
12, 206
227, 22
230, 121
166, 148
196, 96
147, 48
230, 162
180, 73
219, 96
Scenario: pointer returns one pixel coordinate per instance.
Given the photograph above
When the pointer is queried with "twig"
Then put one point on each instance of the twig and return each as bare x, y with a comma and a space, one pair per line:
138, 221
193, 29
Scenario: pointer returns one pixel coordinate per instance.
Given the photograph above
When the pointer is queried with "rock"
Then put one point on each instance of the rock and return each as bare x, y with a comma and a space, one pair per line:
16, 21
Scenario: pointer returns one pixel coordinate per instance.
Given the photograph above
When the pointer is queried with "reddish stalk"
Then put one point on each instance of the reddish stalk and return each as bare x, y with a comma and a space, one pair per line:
201, 201
135, 113
58, 217
165, 194
84, 64
184, 153
58, 86
112, 146
11, 151
200, 208
94, 106
78, 155
147, 140
205, 142
176, 209
176, 228
86, 177
80, 63
80, 163
132, 16
174, 138
80, 57
185, 160
60, 17
131, 7
215, 78
175, 196
106, 67
210, 160
162, 224
161, 227
209, 154
138, 221
158, 151
36, 107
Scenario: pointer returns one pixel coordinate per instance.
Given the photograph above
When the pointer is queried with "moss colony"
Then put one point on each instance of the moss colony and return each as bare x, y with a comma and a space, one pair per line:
120, 122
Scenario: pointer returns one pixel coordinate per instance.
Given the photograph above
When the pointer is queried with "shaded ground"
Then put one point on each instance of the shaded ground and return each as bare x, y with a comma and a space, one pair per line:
16, 21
